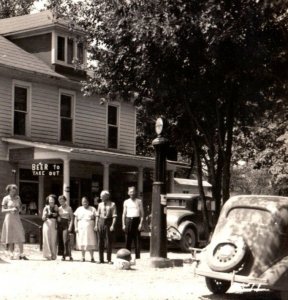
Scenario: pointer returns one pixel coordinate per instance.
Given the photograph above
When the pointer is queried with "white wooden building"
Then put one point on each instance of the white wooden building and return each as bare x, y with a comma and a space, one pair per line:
52, 138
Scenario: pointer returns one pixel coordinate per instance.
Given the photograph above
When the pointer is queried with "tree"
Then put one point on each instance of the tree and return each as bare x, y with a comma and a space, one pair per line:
247, 180
207, 66
264, 146
13, 8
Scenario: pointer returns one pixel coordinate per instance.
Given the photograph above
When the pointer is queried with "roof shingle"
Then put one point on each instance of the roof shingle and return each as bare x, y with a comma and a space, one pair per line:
13, 56
26, 22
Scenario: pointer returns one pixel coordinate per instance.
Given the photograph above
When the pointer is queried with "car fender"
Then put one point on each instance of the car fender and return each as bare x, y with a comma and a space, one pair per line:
182, 226
175, 217
277, 275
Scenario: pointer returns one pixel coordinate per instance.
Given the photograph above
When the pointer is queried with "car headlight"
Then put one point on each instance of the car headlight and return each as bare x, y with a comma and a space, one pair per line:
173, 234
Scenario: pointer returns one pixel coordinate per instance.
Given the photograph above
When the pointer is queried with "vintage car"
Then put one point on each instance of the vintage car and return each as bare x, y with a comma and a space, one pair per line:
249, 245
185, 226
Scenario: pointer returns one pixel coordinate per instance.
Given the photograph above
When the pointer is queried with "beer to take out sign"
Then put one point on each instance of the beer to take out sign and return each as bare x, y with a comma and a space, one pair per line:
44, 169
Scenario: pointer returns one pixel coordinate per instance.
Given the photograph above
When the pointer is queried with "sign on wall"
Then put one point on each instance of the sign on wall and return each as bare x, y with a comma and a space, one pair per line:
44, 169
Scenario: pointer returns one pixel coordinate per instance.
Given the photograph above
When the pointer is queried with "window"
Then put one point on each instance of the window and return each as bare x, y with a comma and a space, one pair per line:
20, 110
67, 49
241, 215
61, 48
176, 202
112, 127
28, 191
66, 119
80, 53
70, 54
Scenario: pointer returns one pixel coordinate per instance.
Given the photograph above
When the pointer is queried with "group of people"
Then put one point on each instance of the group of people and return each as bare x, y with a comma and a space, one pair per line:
94, 227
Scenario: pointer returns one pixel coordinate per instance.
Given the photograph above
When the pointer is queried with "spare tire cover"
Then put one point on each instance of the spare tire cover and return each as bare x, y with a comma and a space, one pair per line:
227, 254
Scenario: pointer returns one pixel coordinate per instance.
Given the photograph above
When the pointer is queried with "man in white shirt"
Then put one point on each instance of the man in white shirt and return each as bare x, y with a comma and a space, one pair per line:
132, 219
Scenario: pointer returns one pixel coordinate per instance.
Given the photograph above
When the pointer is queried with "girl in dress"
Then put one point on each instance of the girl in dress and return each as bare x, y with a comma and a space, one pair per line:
84, 227
12, 230
65, 226
50, 214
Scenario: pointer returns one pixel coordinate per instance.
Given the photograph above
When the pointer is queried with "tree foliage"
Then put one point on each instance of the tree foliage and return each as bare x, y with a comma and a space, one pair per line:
245, 179
13, 8
264, 146
207, 66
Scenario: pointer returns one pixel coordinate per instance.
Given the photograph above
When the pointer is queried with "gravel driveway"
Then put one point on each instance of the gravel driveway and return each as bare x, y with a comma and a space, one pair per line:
41, 279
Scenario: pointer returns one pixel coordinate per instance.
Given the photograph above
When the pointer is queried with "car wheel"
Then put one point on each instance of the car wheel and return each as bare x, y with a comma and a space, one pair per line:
217, 286
188, 240
226, 255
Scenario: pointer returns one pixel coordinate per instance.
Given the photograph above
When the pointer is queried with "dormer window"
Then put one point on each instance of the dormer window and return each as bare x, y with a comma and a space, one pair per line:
67, 50
61, 48
70, 54
80, 53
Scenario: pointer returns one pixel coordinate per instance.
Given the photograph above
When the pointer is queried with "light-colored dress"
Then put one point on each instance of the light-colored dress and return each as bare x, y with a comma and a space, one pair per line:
86, 237
12, 230
49, 233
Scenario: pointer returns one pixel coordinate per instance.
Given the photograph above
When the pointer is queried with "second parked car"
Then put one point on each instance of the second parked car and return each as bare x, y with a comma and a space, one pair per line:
185, 224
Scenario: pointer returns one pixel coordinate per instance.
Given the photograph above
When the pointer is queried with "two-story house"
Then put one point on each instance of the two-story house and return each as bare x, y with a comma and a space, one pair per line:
52, 138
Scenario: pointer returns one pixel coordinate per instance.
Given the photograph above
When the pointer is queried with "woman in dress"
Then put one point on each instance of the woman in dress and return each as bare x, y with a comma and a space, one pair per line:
84, 227
65, 226
12, 230
49, 216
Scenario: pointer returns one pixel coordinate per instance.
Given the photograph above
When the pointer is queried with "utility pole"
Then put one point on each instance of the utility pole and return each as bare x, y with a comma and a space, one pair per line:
158, 242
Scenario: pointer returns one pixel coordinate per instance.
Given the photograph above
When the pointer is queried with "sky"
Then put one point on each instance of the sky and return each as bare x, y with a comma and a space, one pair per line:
38, 6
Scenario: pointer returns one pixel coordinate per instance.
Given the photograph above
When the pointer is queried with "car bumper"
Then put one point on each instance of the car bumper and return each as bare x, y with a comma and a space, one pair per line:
173, 235
201, 268
233, 278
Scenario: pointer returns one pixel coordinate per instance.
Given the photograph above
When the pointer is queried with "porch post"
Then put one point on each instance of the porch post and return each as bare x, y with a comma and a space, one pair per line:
106, 176
171, 180
41, 195
66, 179
140, 182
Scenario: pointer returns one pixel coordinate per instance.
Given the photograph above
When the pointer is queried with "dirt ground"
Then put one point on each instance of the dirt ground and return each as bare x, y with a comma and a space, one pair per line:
41, 279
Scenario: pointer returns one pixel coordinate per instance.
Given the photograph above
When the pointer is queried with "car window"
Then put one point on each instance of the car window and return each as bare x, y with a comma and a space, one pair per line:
249, 215
210, 204
176, 202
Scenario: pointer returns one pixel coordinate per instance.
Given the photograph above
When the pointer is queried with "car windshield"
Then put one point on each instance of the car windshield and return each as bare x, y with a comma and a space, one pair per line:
250, 215
176, 202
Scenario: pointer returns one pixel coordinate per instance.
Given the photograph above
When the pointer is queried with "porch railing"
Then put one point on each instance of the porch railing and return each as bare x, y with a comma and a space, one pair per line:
39, 227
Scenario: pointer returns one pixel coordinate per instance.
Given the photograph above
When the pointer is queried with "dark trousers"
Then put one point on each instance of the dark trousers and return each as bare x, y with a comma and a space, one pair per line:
64, 247
105, 236
133, 234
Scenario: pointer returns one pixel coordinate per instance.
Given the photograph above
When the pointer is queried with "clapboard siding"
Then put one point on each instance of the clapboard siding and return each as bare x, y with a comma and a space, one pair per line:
5, 113
39, 45
90, 122
90, 118
44, 113
127, 134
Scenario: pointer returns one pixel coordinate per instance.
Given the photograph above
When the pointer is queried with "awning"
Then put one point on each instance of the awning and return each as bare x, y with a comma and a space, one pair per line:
191, 182
40, 150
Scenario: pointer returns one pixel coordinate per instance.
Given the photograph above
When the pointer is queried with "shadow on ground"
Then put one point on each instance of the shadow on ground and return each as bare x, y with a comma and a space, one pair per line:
254, 295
